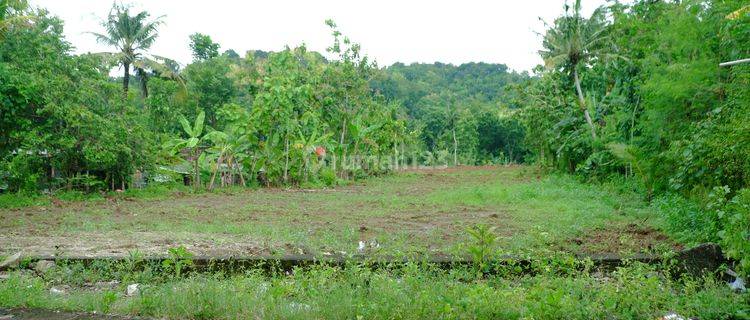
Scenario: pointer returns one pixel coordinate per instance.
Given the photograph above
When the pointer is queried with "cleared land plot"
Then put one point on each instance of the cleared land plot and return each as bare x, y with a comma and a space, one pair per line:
424, 211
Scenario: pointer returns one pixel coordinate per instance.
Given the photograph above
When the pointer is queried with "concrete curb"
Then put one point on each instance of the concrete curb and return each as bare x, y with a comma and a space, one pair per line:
697, 260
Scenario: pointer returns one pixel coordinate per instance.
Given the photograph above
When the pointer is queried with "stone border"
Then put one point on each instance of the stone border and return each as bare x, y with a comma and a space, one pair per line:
697, 260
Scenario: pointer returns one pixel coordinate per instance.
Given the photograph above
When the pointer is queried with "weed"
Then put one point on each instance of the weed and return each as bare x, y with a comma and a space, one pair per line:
482, 245
179, 260
414, 291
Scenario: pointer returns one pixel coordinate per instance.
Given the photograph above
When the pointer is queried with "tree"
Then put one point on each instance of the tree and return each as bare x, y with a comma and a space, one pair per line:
11, 14
131, 36
209, 86
228, 148
192, 143
572, 43
203, 47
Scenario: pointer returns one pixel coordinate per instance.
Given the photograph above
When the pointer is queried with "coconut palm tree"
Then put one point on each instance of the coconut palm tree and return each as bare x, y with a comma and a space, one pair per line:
572, 42
132, 35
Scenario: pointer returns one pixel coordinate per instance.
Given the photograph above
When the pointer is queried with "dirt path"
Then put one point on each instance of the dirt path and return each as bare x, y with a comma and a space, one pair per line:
40, 314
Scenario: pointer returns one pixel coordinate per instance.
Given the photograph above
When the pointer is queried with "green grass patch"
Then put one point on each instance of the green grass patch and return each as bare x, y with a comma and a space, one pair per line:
413, 292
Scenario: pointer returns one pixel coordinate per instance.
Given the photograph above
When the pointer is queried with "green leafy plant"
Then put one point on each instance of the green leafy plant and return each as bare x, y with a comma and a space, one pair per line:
191, 143
482, 246
735, 235
179, 259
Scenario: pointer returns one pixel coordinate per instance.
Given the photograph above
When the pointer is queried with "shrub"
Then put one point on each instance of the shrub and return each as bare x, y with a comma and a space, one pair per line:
327, 176
687, 220
735, 236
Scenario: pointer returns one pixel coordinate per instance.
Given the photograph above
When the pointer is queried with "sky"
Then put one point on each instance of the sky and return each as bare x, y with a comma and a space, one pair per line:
499, 31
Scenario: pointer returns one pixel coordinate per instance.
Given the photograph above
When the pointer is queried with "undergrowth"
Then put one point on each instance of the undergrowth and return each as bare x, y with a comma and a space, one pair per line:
554, 290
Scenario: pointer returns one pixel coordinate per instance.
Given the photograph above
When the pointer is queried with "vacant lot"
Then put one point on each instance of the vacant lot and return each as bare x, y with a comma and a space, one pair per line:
416, 211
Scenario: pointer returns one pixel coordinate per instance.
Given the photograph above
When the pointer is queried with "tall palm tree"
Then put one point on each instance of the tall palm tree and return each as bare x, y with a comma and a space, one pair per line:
572, 42
131, 35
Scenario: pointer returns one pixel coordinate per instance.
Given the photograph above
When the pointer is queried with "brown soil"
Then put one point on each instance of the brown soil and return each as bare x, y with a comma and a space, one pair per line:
630, 238
115, 244
39, 314
363, 210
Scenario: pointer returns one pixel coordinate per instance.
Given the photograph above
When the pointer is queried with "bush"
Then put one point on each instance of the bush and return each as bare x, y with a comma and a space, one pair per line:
327, 176
687, 220
735, 236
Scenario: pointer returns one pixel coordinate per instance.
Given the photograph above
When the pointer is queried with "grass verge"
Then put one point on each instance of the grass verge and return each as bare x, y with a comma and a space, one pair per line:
415, 291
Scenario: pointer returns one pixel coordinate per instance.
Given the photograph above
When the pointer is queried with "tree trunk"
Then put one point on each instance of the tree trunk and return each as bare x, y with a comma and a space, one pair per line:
403, 156
126, 79
395, 156
356, 155
541, 154
144, 87
286, 159
341, 145
307, 164
455, 147
213, 176
334, 163
582, 102
197, 174
242, 177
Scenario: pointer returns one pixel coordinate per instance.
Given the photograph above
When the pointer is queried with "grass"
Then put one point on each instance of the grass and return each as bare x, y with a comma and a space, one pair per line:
413, 292
420, 211
22, 200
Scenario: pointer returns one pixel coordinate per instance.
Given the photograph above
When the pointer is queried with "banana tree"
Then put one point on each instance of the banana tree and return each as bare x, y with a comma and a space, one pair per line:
192, 143
228, 148
359, 131
307, 144
269, 158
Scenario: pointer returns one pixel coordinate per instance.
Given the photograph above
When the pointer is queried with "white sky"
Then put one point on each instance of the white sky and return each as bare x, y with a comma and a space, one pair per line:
500, 31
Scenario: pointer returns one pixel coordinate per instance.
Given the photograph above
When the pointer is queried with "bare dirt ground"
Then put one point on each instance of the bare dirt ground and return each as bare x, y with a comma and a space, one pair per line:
417, 210
40, 314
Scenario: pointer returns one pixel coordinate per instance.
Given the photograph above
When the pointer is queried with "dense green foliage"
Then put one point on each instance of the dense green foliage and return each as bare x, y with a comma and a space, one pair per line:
290, 117
460, 114
661, 108
62, 121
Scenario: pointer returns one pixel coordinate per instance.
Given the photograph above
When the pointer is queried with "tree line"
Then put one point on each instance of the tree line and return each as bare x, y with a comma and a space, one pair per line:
636, 91
291, 117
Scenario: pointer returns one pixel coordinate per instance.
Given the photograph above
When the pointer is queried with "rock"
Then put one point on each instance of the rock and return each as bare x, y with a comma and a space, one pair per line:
363, 246
104, 285
6, 317
4, 276
42, 266
133, 290
300, 306
11, 262
374, 244
57, 291
674, 316
738, 285
704, 258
